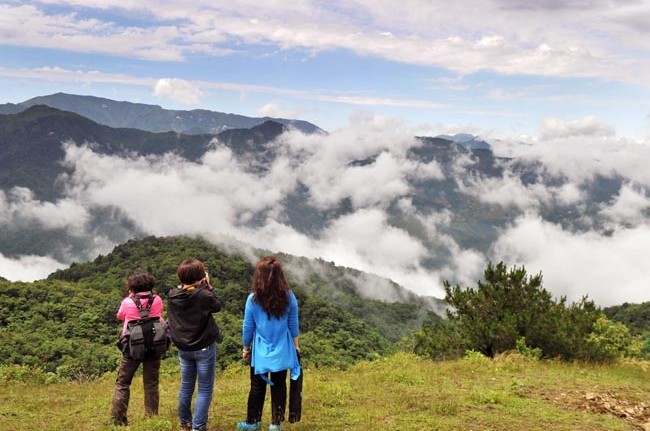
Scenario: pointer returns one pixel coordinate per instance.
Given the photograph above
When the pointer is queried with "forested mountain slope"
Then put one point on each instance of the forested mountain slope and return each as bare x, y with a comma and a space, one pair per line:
66, 324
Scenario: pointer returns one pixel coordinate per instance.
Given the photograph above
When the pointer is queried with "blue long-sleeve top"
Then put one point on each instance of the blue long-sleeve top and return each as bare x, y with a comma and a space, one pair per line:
272, 337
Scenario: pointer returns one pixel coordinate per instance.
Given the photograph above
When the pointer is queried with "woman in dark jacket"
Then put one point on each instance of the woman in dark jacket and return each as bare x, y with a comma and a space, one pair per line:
195, 333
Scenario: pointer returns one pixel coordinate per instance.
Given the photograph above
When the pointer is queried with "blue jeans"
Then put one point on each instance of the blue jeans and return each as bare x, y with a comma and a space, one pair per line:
198, 364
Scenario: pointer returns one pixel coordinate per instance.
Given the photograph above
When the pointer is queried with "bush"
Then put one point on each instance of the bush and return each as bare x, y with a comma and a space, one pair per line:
525, 350
511, 310
441, 340
609, 341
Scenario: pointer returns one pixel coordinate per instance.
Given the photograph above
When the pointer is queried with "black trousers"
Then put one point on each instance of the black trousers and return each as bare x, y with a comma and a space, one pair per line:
258, 393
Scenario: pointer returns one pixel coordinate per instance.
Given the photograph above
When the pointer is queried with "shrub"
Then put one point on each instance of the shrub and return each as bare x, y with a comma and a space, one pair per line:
510, 305
529, 352
609, 341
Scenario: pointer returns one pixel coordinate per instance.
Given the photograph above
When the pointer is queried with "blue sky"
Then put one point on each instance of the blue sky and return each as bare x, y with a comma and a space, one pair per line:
499, 69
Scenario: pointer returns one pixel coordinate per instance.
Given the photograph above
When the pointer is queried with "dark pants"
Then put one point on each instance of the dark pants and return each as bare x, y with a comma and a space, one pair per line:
258, 393
120, 404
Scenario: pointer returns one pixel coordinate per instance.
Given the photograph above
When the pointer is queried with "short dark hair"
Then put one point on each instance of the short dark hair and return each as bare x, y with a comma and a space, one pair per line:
140, 281
190, 271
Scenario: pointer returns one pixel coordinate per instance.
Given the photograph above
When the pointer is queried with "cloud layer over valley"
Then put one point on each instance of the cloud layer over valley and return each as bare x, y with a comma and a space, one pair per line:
367, 196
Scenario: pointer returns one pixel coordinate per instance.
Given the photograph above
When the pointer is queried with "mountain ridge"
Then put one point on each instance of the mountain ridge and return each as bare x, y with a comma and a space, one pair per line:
152, 118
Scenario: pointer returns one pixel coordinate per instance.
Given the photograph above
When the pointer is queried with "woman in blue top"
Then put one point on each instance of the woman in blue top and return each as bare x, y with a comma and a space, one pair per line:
270, 338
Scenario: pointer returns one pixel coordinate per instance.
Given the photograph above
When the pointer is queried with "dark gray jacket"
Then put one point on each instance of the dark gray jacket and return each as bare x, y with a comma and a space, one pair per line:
189, 312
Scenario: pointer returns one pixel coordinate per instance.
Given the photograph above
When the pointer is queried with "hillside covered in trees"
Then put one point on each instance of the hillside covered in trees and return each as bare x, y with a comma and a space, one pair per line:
66, 324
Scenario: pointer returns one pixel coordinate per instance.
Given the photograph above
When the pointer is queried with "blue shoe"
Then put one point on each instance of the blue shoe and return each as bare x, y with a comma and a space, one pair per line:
245, 426
275, 427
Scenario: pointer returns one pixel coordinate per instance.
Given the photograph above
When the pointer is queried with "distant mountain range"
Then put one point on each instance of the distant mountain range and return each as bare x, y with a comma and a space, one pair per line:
31, 153
151, 118
469, 142
31, 150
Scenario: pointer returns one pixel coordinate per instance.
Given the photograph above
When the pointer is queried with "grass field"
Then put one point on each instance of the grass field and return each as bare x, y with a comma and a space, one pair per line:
400, 392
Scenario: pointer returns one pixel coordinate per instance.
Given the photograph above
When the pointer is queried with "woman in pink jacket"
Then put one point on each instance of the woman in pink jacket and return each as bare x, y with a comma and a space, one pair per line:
139, 284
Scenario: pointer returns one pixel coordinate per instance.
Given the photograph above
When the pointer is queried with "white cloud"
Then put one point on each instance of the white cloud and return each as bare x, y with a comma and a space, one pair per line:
510, 191
222, 194
67, 31
274, 110
179, 90
225, 195
19, 208
610, 269
28, 268
552, 128
631, 207
602, 41
580, 158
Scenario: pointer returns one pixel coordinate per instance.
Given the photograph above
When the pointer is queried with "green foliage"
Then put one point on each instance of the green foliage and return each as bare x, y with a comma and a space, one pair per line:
439, 340
502, 308
66, 325
26, 374
635, 316
525, 350
644, 350
609, 340
509, 305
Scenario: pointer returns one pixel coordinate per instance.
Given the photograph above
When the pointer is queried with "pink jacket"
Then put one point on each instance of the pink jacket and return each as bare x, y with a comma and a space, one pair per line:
129, 311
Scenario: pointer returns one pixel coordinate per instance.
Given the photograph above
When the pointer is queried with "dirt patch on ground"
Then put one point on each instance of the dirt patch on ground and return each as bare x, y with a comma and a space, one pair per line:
637, 413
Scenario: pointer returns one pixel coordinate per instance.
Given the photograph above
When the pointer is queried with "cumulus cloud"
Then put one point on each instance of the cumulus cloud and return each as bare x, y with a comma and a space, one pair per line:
28, 268
552, 128
508, 191
223, 195
19, 208
179, 90
611, 269
359, 181
274, 110
580, 158
631, 207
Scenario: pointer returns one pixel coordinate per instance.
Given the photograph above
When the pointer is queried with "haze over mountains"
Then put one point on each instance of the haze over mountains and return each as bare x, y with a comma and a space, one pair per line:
151, 118
372, 196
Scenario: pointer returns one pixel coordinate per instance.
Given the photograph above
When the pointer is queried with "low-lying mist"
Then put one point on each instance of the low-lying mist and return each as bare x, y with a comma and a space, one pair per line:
352, 197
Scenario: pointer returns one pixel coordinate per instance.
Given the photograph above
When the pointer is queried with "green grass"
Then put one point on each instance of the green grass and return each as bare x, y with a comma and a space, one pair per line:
400, 392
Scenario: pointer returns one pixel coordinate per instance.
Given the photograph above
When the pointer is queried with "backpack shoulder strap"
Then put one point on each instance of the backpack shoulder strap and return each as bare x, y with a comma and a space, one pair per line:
144, 311
136, 301
150, 299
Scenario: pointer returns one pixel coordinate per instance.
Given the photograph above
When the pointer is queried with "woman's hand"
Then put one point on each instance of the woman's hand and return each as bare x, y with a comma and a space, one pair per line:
246, 353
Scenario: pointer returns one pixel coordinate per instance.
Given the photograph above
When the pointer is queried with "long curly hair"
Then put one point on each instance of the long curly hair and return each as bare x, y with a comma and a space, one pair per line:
270, 287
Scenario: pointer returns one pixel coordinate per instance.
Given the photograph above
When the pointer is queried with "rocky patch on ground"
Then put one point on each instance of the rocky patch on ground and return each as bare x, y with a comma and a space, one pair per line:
622, 406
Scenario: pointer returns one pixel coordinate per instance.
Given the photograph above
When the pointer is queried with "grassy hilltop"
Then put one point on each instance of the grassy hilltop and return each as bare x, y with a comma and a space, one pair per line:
399, 392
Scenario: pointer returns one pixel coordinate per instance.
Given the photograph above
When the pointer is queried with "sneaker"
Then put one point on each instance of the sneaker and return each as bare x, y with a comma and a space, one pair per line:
245, 426
273, 427
186, 427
